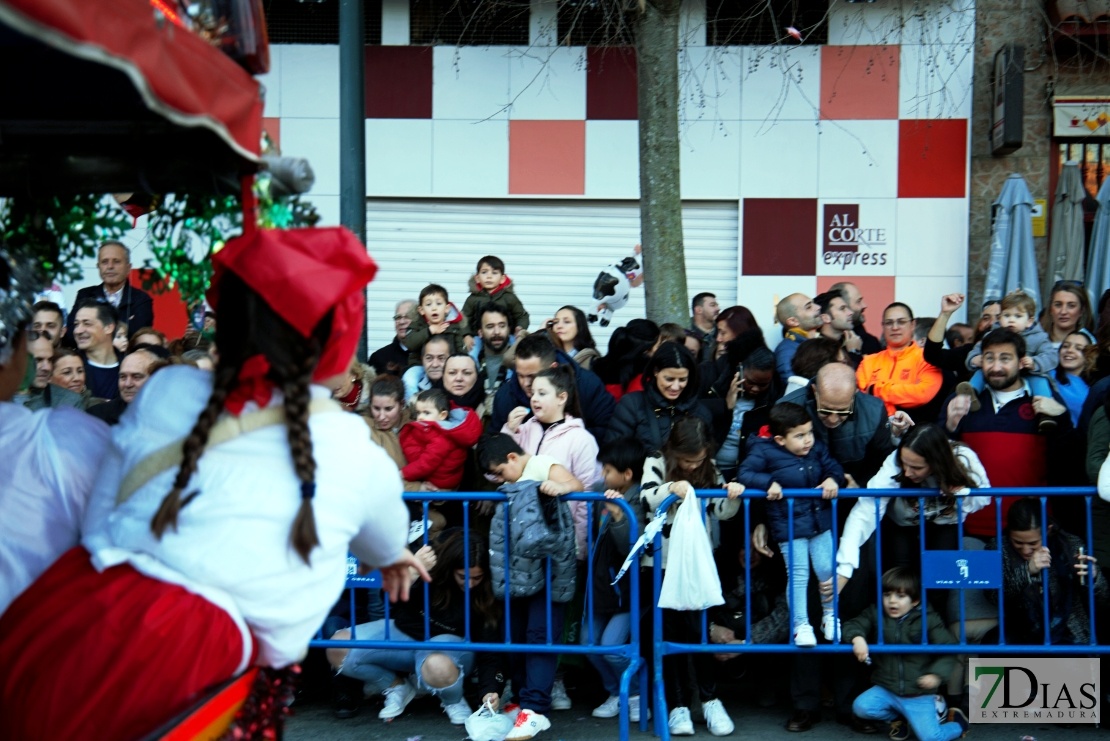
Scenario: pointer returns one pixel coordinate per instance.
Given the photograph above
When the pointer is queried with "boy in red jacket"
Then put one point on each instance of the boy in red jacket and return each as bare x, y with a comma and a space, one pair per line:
437, 443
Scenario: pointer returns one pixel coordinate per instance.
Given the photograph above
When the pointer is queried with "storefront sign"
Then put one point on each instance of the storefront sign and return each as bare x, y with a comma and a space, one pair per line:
1080, 117
1007, 113
849, 244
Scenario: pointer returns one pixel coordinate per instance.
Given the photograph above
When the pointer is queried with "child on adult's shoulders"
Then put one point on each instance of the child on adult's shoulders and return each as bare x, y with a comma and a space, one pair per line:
436, 315
490, 285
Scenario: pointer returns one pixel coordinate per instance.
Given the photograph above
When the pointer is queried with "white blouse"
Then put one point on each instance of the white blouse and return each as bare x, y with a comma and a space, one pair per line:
232, 544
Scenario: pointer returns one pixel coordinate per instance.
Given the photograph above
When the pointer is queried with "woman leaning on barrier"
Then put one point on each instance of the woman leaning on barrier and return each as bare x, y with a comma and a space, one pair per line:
1037, 554
459, 566
925, 459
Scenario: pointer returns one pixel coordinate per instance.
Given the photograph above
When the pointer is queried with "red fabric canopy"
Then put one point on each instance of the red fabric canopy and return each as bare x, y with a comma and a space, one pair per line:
177, 75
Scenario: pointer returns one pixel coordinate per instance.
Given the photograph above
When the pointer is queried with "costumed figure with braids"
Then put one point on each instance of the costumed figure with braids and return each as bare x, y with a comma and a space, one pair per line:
612, 287
219, 525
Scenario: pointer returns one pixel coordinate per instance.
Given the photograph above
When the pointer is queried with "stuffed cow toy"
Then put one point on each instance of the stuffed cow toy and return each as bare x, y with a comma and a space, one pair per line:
613, 285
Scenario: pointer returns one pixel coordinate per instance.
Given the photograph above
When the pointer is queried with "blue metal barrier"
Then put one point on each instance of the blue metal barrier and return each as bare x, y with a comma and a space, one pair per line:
669, 648
630, 650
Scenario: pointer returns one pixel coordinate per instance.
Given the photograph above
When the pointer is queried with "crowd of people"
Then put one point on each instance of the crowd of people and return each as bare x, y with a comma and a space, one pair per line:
474, 399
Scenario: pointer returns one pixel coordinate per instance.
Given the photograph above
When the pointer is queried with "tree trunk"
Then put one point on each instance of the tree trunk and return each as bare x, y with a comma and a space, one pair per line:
660, 194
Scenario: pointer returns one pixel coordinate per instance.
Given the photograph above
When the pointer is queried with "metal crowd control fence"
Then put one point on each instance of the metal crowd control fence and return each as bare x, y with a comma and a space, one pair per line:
590, 645
669, 648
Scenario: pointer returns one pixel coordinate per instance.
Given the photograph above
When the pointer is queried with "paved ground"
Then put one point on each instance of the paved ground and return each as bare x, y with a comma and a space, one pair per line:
424, 721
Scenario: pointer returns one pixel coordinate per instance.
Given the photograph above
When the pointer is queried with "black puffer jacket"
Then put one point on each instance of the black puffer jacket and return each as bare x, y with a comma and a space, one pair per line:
647, 416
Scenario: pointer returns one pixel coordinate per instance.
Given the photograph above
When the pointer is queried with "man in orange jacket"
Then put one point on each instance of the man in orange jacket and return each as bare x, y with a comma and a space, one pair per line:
899, 374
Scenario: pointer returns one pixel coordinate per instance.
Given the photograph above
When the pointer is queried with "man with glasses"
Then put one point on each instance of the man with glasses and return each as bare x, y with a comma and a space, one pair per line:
859, 434
394, 357
899, 375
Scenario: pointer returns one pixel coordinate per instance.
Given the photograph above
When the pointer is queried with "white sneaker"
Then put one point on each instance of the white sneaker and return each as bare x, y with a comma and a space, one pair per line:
804, 636
634, 709
527, 725
560, 700
397, 699
716, 717
680, 723
458, 712
830, 628
611, 708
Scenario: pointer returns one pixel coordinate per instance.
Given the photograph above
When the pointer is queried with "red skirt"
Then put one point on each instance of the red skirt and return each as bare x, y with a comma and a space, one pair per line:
109, 655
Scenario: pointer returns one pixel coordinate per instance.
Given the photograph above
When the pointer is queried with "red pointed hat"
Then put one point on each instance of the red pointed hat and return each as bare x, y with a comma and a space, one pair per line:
303, 274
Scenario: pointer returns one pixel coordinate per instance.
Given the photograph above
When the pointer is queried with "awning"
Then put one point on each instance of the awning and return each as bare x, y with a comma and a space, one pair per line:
109, 96
1081, 116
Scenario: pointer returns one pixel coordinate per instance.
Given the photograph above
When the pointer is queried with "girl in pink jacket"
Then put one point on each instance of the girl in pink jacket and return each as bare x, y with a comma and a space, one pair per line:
554, 427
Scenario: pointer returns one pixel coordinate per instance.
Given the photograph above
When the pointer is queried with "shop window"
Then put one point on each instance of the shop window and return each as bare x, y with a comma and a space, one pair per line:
596, 23
730, 23
469, 22
300, 22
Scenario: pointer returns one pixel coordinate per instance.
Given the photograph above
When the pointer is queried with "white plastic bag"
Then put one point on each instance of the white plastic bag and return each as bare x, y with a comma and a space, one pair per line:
690, 581
485, 724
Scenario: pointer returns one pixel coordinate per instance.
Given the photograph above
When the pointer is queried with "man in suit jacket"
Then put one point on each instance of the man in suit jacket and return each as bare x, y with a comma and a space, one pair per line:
133, 305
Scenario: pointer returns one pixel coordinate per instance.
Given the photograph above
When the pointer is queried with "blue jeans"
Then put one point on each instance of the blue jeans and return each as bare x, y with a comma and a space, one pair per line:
533, 673
879, 703
611, 630
1038, 385
379, 668
799, 554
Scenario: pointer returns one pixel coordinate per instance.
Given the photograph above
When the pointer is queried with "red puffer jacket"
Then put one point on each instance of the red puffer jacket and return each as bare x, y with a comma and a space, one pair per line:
436, 451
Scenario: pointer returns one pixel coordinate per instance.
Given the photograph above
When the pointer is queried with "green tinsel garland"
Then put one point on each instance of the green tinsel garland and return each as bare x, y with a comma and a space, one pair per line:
57, 233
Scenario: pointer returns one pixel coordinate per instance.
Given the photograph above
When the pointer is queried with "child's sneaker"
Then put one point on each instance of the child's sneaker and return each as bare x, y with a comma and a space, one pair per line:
899, 730
611, 708
527, 725
965, 388
955, 715
457, 712
397, 699
804, 636
716, 717
560, 700
680, 723
634, 709
830, 628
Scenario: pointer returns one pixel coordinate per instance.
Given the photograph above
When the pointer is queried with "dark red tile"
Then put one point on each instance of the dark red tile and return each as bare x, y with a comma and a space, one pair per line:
780, 236
398, 82
611, 83
932, 158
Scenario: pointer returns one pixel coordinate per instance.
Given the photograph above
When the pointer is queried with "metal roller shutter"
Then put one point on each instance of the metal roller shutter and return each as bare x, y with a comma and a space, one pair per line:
552, 250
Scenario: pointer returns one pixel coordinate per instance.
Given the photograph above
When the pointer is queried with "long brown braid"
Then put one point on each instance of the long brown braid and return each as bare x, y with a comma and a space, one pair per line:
303, 536
248, 327
166, 516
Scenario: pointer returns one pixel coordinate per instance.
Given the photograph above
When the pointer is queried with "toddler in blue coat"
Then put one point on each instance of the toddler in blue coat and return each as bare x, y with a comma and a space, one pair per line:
793, 458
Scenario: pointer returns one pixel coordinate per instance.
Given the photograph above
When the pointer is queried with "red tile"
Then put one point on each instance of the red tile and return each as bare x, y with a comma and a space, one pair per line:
611, 83
859, 82
877, 292
780, 236
932, 158
547, 157
398, 82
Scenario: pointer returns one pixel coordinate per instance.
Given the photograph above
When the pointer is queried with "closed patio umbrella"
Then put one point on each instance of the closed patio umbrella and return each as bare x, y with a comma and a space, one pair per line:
1065, 249
1012, 262
1098, 264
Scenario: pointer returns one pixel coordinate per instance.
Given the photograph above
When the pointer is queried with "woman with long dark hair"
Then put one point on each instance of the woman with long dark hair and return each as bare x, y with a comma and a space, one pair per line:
218, 532
459, 568
570, 332
670, 392
926, 459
